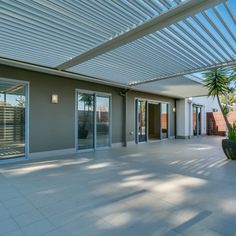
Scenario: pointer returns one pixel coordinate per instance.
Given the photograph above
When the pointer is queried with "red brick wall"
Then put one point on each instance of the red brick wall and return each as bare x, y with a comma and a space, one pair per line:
216, 124
164, 121
232, 117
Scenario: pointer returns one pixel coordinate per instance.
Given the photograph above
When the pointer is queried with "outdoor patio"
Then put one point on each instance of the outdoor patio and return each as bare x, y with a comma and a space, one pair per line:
175, 187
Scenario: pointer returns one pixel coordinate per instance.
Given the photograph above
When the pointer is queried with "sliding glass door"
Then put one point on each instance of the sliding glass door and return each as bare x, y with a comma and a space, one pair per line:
13, 105
164, 120
85, 121
152, 120
93, 117
141, 124
197, 120
102, 121
199, 114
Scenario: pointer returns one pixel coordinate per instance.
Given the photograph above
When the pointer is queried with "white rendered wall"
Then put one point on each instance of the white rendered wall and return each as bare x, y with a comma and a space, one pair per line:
182, 110
184, 114
209, 103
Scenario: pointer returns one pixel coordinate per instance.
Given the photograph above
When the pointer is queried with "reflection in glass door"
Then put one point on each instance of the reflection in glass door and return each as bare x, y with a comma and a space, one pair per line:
194, 120
197, 120
199, 112
164, 120
13, 97
93, 112
102, 121
141, 109
85, 121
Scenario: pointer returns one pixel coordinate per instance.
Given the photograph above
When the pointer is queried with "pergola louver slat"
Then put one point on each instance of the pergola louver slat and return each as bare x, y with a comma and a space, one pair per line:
169, 17
126, 42
219, 32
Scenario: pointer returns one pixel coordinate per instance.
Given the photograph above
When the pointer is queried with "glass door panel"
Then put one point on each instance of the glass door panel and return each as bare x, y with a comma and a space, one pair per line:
102, 121
194, 120
164, 120
197, 120
141, 121
12, 120
93, 120
85, 121
154, 121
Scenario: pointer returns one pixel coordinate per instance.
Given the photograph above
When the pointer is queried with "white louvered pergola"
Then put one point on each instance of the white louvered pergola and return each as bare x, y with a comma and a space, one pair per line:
149, 45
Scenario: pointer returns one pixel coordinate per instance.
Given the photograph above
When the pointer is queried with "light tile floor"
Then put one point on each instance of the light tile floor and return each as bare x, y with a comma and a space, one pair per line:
171, 188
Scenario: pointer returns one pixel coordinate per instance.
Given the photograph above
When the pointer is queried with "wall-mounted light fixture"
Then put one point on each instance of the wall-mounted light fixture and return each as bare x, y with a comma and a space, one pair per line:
174, 109
54, 98
190, 100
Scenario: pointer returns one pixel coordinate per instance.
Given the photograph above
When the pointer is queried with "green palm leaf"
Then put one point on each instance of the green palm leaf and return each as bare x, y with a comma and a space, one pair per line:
218, 83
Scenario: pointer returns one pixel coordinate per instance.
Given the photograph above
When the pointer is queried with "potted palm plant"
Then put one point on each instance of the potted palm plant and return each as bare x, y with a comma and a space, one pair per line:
220, 82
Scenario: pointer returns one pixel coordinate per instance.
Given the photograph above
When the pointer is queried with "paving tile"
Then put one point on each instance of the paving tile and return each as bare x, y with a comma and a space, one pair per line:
59, 232
14, 233
148, 227
81, 223
28, 218
106, 232
14, 202
168, 188
171, 233
8, 225
21, 209
3, 212
57, 208
203, 232
37, 228
225, 228
9, 194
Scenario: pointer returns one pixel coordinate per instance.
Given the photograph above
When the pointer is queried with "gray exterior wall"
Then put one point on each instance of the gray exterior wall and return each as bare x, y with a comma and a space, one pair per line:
52, 126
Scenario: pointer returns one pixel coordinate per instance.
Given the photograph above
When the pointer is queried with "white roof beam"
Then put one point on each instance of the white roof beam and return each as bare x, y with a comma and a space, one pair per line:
225, 64
180, 12
195, 78
51, 71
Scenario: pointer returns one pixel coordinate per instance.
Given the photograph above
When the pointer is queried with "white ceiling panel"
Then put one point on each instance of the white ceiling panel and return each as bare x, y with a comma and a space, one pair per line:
180, 87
